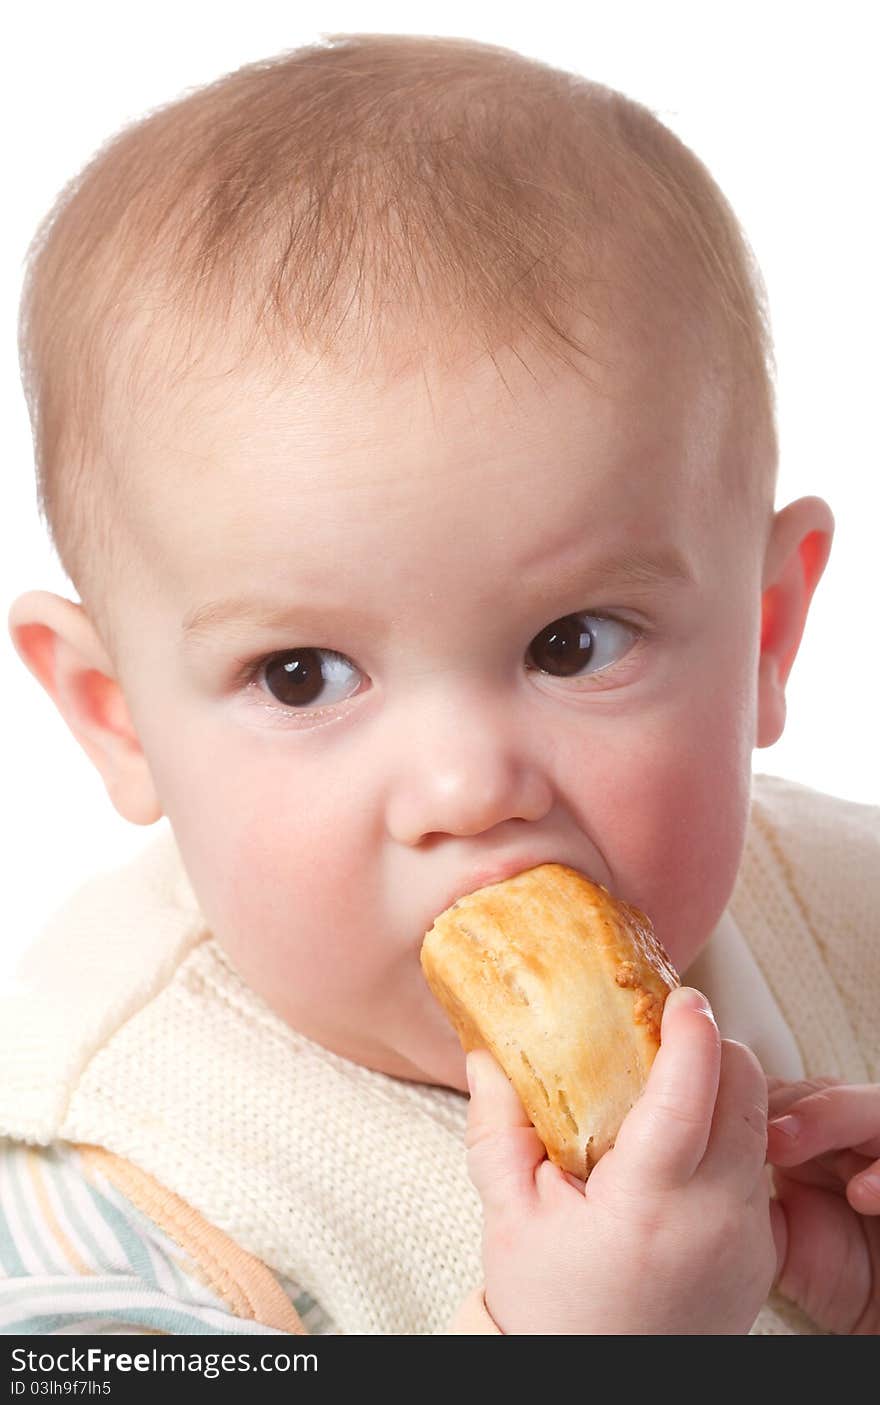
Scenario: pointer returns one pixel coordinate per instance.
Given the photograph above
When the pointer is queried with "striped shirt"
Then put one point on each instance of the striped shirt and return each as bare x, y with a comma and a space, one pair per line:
79, 1256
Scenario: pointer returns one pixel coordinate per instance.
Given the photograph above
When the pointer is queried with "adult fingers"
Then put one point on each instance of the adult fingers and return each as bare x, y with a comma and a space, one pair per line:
782, 1092
863, 1190
664, 1137
738, 1139
503, 1148
829, 1172
835, 1118
847, 1172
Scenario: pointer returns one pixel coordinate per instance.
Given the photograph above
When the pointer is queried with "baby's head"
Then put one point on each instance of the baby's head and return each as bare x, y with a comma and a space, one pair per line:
404, 421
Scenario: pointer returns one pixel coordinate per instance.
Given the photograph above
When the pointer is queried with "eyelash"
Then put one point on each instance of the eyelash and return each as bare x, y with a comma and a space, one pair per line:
248, 677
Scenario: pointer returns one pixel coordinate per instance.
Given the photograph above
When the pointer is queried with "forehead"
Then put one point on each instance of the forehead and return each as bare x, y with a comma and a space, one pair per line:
483, 468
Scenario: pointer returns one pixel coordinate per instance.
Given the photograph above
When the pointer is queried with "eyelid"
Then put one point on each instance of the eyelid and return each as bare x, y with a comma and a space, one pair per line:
612, 675
292, 717
246, 677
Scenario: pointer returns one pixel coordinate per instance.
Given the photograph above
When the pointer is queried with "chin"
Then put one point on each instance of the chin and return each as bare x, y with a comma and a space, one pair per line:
456, 1080
441, 1068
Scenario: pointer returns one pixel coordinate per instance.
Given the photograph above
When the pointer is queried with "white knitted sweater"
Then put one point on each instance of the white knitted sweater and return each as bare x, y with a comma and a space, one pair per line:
131, 1031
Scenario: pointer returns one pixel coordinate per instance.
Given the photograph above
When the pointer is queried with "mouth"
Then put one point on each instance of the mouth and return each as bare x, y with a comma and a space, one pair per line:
497, 872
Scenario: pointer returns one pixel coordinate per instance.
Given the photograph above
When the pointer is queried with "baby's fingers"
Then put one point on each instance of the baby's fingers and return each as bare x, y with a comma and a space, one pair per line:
738, 1140
504, 1150
664, 1137
845, 1117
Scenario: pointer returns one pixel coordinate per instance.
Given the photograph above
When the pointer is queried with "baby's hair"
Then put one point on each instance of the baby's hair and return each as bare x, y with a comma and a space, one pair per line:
366, 198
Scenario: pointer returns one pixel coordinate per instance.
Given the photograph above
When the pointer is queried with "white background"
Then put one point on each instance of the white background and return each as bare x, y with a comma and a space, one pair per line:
776, 98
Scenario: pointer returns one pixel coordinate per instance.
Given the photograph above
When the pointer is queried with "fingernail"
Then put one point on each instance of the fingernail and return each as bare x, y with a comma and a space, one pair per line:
871, 1182
688, 998
788, 1126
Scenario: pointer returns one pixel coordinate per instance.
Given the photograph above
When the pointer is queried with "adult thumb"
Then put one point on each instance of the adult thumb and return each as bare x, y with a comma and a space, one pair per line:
503, 1148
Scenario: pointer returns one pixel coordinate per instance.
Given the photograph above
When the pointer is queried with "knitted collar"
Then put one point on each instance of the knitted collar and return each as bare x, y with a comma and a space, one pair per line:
138, 1035
744, 1006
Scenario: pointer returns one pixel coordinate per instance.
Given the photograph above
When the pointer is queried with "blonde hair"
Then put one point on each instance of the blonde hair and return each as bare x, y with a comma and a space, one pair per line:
328, 197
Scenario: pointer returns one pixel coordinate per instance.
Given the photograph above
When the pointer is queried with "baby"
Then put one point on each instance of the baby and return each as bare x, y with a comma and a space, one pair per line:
404, 419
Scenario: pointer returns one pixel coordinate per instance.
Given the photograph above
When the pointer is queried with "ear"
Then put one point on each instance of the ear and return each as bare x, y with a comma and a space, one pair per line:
797, 550
60, 646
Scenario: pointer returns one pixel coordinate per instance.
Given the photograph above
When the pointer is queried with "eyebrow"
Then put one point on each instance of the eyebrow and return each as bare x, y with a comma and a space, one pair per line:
643, 571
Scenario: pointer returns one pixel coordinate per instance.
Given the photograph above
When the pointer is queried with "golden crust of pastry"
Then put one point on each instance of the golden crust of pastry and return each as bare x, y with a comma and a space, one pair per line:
565, 985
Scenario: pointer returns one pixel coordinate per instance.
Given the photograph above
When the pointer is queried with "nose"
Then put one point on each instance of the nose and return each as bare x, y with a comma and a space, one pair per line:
463, 766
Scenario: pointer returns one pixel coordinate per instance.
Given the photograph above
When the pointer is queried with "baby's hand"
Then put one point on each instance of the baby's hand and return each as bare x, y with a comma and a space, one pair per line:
671, 1234
824, 1142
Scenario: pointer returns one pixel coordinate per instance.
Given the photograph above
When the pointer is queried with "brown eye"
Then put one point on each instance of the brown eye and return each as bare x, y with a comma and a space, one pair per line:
303, 677
580, 644
564, 647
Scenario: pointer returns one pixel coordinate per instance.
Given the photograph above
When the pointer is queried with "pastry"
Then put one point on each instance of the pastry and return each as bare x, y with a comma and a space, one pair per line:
565, 985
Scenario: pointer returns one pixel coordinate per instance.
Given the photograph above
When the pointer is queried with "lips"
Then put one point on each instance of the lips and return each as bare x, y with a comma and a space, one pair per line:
494, 873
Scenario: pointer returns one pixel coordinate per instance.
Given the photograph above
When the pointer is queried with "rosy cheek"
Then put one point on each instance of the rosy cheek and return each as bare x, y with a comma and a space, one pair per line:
669, 814
697, 843
284, 876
